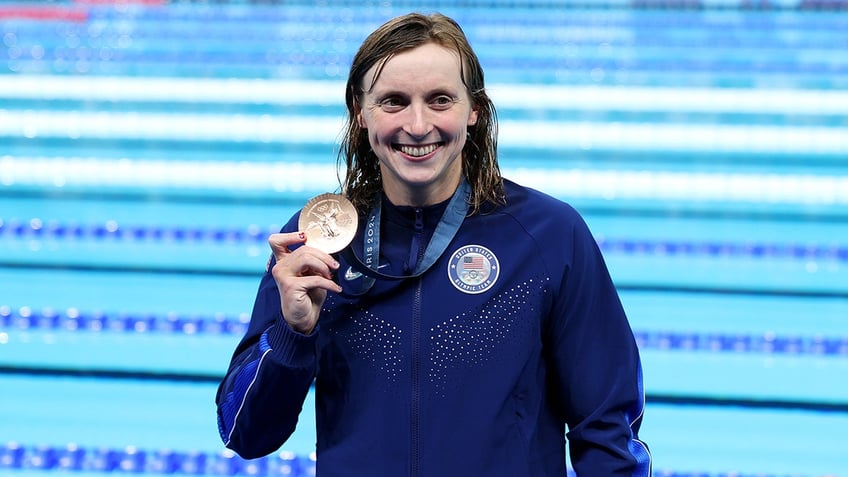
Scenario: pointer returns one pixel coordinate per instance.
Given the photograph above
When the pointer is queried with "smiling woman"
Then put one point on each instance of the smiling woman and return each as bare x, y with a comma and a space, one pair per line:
454, 89
479, 346
416, 112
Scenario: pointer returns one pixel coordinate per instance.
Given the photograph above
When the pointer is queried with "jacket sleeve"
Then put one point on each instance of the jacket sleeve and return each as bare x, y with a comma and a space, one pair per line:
261, 395
597, 366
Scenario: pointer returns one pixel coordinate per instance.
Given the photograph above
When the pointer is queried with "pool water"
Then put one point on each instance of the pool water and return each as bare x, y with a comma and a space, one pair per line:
148, 148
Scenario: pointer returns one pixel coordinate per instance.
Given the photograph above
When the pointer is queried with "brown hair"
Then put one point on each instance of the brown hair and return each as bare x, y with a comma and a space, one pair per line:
362, 180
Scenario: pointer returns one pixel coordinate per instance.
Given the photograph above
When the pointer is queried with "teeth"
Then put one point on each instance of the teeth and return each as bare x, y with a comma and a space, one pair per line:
418, 151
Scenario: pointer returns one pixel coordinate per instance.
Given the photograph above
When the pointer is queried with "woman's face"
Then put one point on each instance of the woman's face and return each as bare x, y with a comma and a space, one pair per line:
417, 115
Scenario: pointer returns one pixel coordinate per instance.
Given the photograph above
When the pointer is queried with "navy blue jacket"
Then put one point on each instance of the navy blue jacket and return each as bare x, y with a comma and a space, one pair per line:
478, 367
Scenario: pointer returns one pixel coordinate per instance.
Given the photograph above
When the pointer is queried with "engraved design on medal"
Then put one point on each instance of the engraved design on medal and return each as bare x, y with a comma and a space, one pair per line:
329, 222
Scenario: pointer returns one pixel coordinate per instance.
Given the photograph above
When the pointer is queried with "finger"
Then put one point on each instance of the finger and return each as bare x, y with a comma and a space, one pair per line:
328, 262
304, 282
280, 242
313, 282
303, 261
311, 261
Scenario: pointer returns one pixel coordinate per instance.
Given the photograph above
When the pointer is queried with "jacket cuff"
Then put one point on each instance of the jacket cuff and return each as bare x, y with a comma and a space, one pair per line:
290, 347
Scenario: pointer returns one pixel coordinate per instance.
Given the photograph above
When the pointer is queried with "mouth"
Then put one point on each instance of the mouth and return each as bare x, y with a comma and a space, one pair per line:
417, 151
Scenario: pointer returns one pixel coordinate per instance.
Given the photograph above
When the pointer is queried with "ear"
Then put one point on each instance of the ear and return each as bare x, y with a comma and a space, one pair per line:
360, 120
472, 117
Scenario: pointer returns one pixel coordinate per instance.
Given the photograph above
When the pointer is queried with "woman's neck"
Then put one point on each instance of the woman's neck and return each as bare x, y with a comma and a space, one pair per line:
420, 197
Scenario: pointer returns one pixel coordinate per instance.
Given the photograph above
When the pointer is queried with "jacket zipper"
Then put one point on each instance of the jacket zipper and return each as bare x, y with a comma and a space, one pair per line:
415, 414
415, 401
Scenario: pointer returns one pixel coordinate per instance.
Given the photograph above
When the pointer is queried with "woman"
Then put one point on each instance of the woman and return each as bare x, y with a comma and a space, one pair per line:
470, 322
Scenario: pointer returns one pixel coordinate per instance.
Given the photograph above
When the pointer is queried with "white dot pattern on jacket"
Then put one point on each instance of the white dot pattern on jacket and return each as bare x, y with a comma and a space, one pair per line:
474, 340
378, 341
470, 341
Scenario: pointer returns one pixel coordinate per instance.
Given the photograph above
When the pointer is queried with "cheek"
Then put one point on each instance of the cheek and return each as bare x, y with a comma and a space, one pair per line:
461, 125
376, 138
380, 130
373, 133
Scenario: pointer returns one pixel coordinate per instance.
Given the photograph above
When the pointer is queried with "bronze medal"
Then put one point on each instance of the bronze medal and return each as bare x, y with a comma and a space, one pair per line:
329, 222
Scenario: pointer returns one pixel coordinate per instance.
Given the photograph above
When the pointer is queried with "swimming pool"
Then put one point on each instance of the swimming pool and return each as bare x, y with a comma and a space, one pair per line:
149, 148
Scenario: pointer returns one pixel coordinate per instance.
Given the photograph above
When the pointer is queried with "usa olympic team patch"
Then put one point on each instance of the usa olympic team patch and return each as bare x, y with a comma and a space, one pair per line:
473, 269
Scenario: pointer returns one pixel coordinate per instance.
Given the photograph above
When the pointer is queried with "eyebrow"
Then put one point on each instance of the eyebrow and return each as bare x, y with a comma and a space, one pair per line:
440, 90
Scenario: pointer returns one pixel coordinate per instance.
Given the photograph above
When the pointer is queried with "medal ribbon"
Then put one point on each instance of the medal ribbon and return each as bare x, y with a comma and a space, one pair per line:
445, 231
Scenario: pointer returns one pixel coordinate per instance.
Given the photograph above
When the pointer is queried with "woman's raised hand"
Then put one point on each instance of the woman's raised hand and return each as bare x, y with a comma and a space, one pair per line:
303, 276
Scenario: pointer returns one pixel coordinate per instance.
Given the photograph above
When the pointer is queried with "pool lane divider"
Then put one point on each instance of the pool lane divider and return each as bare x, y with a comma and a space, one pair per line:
37, 228
70, 458
52, 12
73, 320
76, 458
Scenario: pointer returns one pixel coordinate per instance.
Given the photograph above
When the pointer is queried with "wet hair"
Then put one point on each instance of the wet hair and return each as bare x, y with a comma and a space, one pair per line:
362, 181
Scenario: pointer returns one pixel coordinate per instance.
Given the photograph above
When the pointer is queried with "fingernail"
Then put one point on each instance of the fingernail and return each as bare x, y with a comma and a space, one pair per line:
301, 236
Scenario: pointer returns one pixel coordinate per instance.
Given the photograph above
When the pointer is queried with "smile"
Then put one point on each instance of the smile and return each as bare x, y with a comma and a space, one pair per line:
417, 151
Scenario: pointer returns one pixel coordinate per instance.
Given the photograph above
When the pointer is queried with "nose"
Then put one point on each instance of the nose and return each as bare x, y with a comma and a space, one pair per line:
418, 123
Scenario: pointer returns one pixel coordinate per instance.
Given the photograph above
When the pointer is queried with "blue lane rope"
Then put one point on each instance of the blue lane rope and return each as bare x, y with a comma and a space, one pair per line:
72, 320
74, 458
131, 460
111, 230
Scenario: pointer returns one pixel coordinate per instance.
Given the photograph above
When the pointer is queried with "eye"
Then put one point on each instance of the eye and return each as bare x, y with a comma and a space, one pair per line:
442, 102
392, 104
